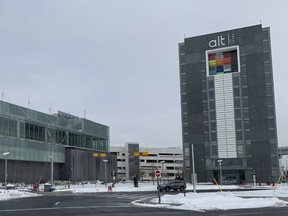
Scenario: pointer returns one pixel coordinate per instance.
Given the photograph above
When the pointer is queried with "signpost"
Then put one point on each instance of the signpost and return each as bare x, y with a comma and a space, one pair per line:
158, 175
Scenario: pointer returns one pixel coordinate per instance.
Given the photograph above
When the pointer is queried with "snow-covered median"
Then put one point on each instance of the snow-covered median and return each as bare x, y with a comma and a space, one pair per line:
14, 194
213, 201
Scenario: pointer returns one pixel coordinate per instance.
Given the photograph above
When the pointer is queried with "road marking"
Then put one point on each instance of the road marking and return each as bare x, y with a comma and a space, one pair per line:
56, 208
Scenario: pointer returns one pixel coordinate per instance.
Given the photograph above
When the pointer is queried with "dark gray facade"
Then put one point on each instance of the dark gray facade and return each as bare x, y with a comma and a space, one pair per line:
227, 105
133, 161
81, 165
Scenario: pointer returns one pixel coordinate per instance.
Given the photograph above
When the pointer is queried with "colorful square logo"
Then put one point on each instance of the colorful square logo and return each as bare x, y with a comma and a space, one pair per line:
223, 61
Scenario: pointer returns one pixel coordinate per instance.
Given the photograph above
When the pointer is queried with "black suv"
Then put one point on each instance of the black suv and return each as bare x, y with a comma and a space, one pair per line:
175, 185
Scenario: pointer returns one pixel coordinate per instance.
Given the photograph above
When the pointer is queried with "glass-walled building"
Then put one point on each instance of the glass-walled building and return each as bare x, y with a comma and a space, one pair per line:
32, 138
228, 108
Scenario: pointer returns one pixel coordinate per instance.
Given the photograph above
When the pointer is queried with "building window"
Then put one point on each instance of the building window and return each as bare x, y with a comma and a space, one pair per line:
244, 92
244, 81
236, 92
211, 84
247, 135
213, 137
245, 113
211, 95
239, 135
187, 163
238, 124
245, 102
186, 152
212, 105
269, 100
214, 151
240, 149
236, 81
272, 134
212, 115
238, 113
213, 126
271, 123
237, 102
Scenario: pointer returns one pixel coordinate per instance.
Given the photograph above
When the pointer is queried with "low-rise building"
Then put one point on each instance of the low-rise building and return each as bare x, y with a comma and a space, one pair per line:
142, 162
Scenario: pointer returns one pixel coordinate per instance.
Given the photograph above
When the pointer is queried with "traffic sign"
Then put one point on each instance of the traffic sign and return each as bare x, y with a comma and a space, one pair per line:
157, 173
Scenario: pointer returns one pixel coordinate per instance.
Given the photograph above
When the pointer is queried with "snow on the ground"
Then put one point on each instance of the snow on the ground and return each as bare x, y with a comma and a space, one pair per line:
216, 201
14, 194
129, 187
192, 201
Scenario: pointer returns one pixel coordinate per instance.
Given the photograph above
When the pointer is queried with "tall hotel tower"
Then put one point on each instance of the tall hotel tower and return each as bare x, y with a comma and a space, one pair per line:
227, 105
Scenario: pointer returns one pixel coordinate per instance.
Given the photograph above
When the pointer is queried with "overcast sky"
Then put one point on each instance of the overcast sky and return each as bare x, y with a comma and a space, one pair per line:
118, 60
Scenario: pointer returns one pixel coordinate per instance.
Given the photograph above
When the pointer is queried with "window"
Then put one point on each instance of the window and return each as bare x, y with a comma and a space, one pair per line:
265, 35
240, 149
236, 81
238, 113
245, 113
237, 102
211, 84
213, 137
269, 100
268, 78
236, 92
245, 102
212, 105
271, 122
247, 135
239, 135
211, 95
271, 111
214, 151
246, 124
212, 115
244, 81
213, 126
267, 56
273, 148
238, 124
186, 152
272, 134
269, 89
244, 92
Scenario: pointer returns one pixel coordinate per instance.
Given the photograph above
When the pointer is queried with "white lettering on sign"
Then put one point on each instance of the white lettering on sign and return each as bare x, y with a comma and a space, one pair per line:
221, 41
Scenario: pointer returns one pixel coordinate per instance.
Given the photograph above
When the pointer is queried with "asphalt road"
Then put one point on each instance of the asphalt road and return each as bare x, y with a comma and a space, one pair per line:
115, 203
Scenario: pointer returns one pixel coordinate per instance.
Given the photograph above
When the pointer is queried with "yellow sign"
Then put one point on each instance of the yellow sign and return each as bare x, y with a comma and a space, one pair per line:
96, 155
140, 154
136, 153
103, 155
99, 154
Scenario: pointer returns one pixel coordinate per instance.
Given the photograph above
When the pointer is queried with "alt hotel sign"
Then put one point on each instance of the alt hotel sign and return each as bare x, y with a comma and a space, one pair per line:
222, 41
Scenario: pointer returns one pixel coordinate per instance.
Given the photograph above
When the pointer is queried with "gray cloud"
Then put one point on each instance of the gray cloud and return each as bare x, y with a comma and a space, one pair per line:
118, 60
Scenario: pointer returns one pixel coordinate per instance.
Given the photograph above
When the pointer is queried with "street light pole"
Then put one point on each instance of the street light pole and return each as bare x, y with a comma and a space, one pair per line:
193, 167
220, 167
6, 155
162, 170
52, 168
105, 162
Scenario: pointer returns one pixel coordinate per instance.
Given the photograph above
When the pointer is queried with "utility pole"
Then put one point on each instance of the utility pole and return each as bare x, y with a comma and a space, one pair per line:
193, 165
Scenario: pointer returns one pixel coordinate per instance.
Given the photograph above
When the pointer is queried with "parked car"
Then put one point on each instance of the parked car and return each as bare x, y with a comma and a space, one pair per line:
175, 185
